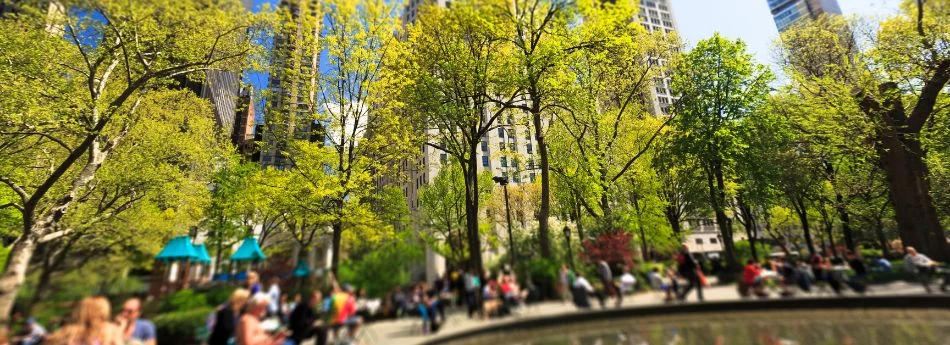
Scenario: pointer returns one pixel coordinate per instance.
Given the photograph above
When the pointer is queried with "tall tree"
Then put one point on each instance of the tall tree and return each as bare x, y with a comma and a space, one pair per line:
603, 126
895, 86
718, 85
457, 66
64, 117
341, 102
539, 38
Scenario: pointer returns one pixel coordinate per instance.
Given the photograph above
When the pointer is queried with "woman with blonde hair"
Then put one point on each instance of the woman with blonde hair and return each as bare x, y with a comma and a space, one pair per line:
226, 318
91, 325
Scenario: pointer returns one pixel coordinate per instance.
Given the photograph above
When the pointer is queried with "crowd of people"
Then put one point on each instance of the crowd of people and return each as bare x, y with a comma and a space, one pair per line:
259, 318
259, 315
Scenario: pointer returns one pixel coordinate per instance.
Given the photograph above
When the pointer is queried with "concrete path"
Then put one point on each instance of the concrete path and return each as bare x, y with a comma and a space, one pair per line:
408, 331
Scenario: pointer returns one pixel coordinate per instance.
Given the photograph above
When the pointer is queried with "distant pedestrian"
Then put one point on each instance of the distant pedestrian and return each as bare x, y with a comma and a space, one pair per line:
921, 265
305, 321
250, 331
857, 282
581, 292
564, 283
273, 291
610, 288
689, 270
628, 283
253, 283
473, 284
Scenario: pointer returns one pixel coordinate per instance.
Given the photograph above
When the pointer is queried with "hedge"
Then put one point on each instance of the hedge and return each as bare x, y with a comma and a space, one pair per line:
182, 327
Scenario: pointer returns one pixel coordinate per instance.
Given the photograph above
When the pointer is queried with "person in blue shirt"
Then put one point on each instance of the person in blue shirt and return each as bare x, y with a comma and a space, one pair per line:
136, 330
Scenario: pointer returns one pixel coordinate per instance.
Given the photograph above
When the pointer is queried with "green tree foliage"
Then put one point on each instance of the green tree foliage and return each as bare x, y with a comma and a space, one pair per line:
334, 127
889, 93
719, 85
64, 118
455, 70
604, 126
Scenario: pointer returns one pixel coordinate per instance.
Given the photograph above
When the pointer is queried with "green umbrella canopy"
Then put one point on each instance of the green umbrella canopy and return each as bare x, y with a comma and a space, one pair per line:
202, 252
248, 251
178, 249
302, 269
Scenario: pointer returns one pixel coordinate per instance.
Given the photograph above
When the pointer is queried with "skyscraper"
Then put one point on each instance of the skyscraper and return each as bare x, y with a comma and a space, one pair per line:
788, 12
295, 68
657, 16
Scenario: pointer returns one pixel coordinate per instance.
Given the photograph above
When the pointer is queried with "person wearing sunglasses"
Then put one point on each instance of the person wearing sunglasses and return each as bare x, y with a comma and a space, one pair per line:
135, 330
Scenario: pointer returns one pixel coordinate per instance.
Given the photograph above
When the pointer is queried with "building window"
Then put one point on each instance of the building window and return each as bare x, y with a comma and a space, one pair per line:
532, 176
530, 149
501, 132
513, 147
501, 146
699, 241
516, 178
515, 163
504, 162
712, 241
443, 157
484, 146
485, 161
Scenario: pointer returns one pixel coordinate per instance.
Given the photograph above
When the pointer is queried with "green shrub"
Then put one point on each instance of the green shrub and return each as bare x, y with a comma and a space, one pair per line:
543, 272
868, 253
218, 294
744, 251
182, 327
183, 300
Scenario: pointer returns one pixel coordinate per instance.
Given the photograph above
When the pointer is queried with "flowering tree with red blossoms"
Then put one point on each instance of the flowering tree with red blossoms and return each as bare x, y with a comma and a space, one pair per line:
613, 247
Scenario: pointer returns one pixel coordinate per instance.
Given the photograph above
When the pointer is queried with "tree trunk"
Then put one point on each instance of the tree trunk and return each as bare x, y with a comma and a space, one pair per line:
577, 218
18, 261
672, 216
337, 238
882, 238
917, 219
46, 272
802, 213
717, 195
471, 210
545, 210
840, 208
749, 225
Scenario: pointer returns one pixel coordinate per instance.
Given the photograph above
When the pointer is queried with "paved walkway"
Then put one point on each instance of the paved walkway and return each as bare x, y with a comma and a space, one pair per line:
408, 331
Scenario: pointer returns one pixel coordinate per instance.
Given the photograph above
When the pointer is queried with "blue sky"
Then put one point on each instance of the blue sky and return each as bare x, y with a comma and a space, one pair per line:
751, 21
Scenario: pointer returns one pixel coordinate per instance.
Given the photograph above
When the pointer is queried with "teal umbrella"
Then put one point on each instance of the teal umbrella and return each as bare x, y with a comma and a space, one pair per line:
248, 251
302, 269
202, 252
178, 249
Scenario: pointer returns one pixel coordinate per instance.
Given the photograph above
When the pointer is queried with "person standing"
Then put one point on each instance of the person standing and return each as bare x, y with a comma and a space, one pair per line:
472, 285
226, 318
688, 269
920, 265
306, 323
609, 287
564, 283
273, 291
135, 329
249, 329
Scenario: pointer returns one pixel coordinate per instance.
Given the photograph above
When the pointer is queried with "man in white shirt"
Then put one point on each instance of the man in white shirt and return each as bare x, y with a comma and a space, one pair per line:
581, 289
273, 292
921, 265
627, 281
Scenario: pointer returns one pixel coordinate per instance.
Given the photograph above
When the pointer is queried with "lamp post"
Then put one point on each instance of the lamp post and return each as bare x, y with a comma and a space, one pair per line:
567, 239
503, 181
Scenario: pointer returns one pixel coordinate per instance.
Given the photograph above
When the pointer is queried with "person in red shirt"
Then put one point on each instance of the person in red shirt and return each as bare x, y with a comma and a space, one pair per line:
751, 279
